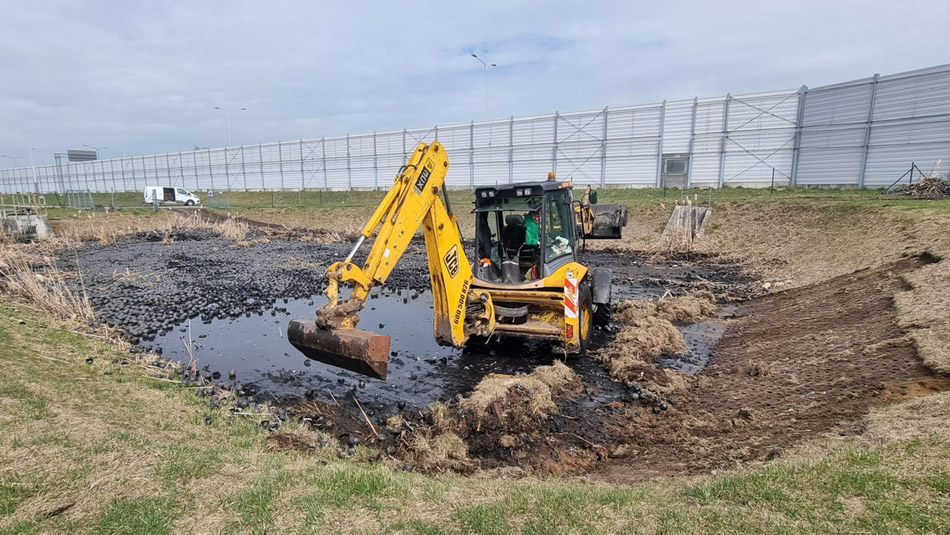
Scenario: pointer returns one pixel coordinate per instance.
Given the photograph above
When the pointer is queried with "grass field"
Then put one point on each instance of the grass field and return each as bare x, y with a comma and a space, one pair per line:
102, 447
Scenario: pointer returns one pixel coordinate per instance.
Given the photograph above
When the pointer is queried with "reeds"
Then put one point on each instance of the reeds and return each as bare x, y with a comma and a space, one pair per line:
41, 283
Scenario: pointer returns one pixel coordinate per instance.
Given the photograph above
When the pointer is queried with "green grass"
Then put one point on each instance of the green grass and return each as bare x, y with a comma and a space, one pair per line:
142, 516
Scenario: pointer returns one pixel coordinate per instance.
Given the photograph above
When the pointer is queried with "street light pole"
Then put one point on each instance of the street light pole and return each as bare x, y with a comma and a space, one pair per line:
486, 65
14, 158
97, 149
228, 112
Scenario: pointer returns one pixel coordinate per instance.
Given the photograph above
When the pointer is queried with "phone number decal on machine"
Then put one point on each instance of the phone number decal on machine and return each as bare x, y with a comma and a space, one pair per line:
424, 177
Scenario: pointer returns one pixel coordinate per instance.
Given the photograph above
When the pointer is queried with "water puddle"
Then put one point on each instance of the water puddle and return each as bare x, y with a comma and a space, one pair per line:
257, 350
700, 337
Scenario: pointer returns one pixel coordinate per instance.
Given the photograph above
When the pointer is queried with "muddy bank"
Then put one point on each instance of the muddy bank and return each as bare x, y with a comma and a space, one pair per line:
790, 366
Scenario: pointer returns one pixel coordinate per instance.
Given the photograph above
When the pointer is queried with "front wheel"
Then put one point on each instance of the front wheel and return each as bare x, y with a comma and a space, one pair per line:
585, 317
189, 203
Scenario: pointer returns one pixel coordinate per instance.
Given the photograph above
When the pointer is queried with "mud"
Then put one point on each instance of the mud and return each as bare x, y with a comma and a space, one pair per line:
767, 371
790, 366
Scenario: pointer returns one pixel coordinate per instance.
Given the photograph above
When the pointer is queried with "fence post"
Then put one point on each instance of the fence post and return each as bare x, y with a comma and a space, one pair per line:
797, 144
375, 164
603, 152
210, 172
692, 143
168, 170
511, 149
557, 116
471, 155
303, 185
349, 167
659, 146
323, 143
194, 169
227, 172
722, 140
135, 182
260, 161
867, 132
280, 163
243, 169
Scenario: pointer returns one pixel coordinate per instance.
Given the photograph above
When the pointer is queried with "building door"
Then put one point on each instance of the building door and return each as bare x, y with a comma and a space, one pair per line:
675, 171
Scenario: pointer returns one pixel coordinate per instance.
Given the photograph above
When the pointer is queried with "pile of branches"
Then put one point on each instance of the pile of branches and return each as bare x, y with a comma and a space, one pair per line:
928, 186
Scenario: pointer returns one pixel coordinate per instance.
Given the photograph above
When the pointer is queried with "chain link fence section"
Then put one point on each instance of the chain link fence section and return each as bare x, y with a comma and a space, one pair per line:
79, 200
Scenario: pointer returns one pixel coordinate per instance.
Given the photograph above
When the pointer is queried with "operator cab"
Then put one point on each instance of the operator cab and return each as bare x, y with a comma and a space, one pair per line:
523, 232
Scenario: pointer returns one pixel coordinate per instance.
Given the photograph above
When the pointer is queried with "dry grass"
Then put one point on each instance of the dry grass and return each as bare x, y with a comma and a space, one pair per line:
519, 400
916, 418
231, 229
684, 309
430, 450
925, 311
648, 332
106, 227
37, 280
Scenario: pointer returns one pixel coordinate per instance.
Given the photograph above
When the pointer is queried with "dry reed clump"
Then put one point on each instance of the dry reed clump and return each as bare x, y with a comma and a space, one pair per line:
648, 332
41, 283
924, 310
107, 227
685, 309
518, 402
251, 243
431, 450
231, 229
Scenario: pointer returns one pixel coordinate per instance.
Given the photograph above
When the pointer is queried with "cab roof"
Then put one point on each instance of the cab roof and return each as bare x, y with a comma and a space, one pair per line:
521, 189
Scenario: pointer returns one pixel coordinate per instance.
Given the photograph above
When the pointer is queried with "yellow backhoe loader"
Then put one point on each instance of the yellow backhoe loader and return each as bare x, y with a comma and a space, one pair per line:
527, 281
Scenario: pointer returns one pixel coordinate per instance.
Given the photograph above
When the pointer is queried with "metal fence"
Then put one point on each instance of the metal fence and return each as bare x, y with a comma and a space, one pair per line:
859, 133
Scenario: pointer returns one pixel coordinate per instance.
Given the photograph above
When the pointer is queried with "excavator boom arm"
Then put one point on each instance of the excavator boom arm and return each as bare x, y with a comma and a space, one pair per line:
415, 199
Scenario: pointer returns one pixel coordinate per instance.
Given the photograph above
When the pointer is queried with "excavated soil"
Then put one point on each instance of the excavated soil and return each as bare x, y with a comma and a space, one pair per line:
790, 366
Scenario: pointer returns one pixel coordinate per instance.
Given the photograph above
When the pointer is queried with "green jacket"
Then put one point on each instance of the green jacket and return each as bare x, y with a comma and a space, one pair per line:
532, 230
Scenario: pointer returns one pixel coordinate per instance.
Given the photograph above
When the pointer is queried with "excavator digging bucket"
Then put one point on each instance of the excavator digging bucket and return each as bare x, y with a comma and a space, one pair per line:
352, 349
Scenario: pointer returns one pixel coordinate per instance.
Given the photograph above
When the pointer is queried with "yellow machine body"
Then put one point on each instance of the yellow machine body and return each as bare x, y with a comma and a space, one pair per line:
463, 305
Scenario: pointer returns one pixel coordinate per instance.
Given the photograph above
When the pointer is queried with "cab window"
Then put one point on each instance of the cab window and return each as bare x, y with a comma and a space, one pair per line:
182, 191
558, 226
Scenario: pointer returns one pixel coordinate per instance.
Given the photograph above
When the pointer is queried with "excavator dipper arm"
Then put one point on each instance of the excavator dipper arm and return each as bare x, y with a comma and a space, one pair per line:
416, 199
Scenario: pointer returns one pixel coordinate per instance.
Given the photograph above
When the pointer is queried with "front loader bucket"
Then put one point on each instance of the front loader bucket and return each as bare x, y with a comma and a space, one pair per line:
353, 349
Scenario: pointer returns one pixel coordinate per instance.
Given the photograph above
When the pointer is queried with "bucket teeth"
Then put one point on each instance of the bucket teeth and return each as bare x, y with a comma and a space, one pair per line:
356, 350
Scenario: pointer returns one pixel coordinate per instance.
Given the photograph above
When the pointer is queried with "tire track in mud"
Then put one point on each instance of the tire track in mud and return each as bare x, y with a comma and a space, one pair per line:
791, 366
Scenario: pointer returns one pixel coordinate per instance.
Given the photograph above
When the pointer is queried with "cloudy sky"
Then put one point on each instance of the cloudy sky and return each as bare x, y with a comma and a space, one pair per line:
144, 77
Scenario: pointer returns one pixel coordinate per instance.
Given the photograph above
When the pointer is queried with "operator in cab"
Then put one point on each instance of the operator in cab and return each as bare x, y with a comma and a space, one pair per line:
532, 242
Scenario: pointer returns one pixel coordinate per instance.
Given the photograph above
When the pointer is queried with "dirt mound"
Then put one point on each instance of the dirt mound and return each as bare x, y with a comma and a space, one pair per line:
504, 417
516, 403
647, 332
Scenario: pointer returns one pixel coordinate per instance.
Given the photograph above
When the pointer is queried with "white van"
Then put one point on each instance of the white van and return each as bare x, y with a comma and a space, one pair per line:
169, 196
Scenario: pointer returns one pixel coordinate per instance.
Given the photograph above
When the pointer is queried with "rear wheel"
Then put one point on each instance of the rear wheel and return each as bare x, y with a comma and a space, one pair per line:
585, 317
603, 314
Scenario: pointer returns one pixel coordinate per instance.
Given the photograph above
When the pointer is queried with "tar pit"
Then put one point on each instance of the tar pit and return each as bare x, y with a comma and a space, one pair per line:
650, 398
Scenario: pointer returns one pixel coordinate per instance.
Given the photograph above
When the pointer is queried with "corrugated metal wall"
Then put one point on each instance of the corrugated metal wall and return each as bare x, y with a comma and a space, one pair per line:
861, 133
869, 132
